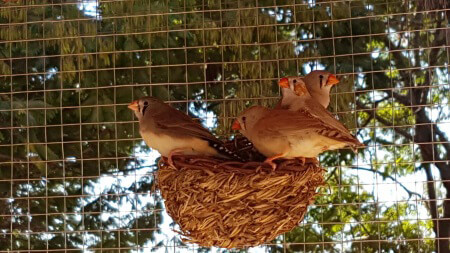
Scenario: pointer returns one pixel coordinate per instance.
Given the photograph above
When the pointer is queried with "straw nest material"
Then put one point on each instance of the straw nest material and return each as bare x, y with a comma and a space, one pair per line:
232, 204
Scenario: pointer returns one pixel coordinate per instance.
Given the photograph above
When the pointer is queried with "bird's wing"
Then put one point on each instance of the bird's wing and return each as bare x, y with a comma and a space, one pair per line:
285, 122
288, 123
317, 110
334, 128
171, 121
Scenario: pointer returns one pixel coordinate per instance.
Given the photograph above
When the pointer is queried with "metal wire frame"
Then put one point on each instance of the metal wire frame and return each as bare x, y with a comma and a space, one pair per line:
120, 173
141, 85
195, 6
138, 139
165, 29
161, 30
227, 62
241, 8
205, 100
162, 210
178, 246
290, 42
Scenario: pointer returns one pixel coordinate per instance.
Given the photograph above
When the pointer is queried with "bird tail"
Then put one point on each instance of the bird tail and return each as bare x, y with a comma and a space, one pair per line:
350, 140
225, 152
355, 144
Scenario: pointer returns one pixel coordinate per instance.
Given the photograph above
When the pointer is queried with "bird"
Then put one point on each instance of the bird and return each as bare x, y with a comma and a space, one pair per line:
172, 132
296, 97
318, 83
285, 133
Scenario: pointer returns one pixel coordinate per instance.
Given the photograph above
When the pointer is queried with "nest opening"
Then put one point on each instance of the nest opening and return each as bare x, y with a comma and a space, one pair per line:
232, 204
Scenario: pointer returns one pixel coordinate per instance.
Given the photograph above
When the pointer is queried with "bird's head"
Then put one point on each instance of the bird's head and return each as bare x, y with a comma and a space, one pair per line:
295, 84
143, 105
248, 118
320, 80
319, 84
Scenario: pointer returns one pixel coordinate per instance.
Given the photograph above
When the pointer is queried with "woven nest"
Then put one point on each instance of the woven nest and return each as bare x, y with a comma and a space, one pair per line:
233, 205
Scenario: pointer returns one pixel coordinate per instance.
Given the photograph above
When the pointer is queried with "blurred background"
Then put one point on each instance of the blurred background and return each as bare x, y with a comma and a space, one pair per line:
75, 175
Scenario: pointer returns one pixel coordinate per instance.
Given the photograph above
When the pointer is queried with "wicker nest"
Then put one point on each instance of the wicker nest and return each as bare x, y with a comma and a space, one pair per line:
233, 205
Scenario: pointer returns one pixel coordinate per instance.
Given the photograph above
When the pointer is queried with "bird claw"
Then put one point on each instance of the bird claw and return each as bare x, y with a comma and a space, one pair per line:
302, 160
274, 166
170, 162
314, 161
270, 160
172, 153
271, 163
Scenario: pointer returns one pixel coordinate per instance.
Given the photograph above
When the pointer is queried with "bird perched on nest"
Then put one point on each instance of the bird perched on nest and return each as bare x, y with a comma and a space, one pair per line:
318, 83
296, 97
304, 130
171, 131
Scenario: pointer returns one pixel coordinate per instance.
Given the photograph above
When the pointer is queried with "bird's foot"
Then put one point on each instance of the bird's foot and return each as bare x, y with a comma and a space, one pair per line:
258, 169
170, 161
176, 151
314, 160
271, 163
270, 160
302, 160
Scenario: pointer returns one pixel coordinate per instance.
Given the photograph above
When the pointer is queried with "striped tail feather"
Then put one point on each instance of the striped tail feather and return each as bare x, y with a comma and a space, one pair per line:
224, 151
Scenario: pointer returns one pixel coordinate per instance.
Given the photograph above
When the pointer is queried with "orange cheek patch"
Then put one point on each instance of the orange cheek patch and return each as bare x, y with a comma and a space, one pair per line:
300, 89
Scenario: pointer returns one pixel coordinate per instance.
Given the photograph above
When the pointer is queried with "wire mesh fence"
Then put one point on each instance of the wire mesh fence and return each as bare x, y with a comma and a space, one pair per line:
76, 176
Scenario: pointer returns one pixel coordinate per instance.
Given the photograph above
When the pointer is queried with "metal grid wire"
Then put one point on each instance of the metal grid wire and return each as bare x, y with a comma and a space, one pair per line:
76, 176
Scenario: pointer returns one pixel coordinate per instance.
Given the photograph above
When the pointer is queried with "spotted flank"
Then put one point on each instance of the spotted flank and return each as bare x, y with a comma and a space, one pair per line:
221, 149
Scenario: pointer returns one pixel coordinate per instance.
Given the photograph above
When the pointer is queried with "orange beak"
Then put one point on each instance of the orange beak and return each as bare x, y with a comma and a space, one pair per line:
236, 125
284, 82
134, 105
332, 80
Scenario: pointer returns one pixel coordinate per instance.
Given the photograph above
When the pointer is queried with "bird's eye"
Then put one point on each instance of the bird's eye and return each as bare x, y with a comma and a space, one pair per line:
321, 76
243, 119
144, 107
295, 81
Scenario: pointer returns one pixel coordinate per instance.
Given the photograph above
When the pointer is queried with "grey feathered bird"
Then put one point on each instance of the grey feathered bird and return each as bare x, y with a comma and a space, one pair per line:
296, 97
318, 83
171, 131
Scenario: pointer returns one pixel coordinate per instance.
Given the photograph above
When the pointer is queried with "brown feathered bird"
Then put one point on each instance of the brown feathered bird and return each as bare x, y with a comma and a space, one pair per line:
171, 131
303, 130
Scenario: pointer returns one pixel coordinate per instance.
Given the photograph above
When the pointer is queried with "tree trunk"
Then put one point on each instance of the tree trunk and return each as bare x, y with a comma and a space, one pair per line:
425, 137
